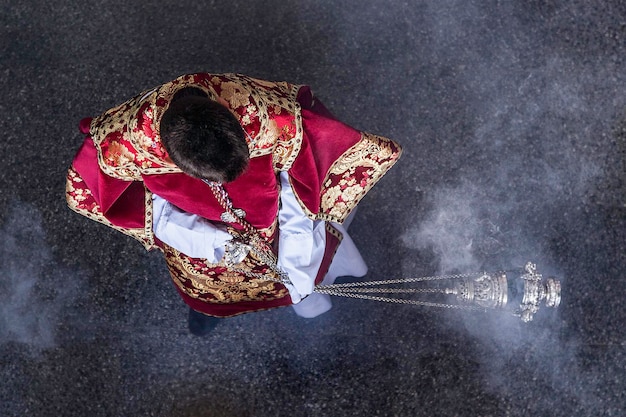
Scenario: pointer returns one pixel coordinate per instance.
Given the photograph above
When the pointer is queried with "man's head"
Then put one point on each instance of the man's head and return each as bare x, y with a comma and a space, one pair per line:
203, 138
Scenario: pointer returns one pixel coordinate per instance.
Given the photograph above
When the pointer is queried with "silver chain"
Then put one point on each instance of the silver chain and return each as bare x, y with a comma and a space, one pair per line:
259, 246
401, 280
386, 290
323, 290
361, 288
252, 238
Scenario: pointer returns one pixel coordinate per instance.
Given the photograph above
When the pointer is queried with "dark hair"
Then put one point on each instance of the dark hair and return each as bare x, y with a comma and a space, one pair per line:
203, 137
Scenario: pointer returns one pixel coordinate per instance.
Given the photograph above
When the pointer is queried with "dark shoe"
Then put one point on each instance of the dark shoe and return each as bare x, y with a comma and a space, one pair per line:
201, 324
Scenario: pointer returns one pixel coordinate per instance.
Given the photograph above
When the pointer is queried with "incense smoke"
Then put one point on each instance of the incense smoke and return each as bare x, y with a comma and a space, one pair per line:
535, 141
34, 289
538, 140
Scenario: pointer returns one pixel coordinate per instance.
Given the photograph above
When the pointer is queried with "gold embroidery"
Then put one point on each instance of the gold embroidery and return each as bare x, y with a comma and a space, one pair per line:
80, 200
134, 125
234, 94
354, 174
215, 283
269, 135
117, 154
230, 277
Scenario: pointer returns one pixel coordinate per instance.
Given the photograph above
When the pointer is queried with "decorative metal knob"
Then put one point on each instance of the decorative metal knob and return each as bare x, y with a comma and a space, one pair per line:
535, 291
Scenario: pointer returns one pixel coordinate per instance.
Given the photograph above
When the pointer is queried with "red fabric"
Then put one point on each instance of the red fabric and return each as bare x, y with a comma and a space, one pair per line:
121, 202
229, 310
85, 124
332, 243
325, 140
255, 191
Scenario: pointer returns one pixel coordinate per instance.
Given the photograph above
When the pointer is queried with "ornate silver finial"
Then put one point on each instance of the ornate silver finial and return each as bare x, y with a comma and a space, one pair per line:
537, 290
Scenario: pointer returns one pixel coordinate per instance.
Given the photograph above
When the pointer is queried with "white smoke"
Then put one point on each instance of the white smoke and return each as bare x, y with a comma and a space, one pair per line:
34, 289
539, 133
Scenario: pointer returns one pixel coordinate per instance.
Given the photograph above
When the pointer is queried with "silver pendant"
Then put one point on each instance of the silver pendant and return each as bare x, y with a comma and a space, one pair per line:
227, 217
236, 252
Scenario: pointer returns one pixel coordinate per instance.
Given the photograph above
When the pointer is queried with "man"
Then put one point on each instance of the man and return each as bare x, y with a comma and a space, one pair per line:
243, 184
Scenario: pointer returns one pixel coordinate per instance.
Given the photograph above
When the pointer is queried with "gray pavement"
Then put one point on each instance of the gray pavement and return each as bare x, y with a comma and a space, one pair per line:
513, 120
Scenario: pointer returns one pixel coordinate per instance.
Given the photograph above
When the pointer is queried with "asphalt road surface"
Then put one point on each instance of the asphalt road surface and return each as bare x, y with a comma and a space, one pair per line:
512, 116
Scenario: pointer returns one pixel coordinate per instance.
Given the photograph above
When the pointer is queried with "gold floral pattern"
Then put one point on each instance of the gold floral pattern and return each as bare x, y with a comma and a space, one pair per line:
117, 154
235, 95
354, 174
127, 136
217, 284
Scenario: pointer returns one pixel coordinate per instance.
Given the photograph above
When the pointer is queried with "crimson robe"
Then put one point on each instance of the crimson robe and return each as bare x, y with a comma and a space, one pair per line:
331, 166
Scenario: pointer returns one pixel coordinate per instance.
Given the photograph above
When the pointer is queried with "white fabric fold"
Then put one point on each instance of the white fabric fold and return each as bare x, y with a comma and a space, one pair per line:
346, 262
191, 234
301, 243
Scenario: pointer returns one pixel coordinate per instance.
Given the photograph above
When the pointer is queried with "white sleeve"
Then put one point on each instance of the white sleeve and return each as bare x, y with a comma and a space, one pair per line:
191, 234
301, 243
